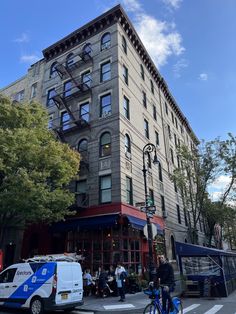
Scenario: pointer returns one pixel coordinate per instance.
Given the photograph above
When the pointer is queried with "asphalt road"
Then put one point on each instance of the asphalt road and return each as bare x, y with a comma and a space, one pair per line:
190, 305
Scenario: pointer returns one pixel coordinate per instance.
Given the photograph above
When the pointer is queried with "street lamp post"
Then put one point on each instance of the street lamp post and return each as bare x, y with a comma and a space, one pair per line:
149, 210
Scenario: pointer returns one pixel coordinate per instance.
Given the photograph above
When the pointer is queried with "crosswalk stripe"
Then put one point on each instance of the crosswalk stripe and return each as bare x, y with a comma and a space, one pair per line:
191, 307
118, 306
214, 309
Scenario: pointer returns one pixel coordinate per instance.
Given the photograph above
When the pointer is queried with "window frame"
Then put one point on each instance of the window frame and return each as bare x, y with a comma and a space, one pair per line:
102, 73
102, 112
126, 107
124, 44
102, 151
126, 74
105, 44
142, 72
146, 128
87, 113
129, 190
101, 190
50, 101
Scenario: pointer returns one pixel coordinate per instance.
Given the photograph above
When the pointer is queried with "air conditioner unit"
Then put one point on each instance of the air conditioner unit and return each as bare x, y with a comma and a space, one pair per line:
106, 114
106, 45
128, 155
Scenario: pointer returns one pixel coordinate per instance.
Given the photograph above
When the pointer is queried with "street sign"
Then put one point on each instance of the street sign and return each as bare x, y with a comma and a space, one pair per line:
140, 204
154, 231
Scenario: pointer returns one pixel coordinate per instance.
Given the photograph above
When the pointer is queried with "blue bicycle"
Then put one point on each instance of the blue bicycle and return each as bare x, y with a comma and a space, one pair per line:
155, 307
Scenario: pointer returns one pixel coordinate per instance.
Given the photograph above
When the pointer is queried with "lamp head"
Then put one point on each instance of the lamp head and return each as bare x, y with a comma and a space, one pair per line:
155, 160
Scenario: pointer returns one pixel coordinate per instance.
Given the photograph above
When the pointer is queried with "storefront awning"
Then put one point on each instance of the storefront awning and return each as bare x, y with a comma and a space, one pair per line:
90, 223
138, 223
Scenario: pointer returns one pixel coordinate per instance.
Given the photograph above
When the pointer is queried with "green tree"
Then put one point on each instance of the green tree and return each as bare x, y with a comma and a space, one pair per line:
199, 167
35, 168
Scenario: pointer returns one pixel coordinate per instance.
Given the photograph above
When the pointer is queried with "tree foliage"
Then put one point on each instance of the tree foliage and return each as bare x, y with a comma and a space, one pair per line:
35, 168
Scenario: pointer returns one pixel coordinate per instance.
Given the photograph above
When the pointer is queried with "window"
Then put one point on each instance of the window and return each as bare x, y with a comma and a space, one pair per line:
51, 94
84, 111
178, 161
146, 128
19, 96
33, 90
65, 120
126, 107
154, 112
173, 248
106, 71
105, 189
151, 197
185, 217
142, 72
127, 145
144, 100
53, 70
70, 60
81, 193
152, 86
172, 155
106, 41
178, 213
169, 131
160, 172
163, 206
86, 78
175, 187
176, 123
83, 146
149, 160
8, 275
172, 117
87, 49
124, 44
68, 86
157, 138
125, 74
105, 144
50, 122
175, 138
166, 108
105, 105
129, 191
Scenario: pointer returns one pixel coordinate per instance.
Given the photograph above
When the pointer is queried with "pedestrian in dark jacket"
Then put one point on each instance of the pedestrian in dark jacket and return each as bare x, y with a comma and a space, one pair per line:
165, 277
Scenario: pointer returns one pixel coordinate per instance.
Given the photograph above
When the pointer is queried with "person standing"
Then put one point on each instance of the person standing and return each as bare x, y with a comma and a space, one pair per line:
165, 277
120, 274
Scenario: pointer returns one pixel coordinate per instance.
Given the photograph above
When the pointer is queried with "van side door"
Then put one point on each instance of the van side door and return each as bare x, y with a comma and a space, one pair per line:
77, 294
7, 284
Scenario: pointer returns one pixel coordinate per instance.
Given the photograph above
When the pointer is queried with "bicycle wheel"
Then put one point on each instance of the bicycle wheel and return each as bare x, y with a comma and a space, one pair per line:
151, 309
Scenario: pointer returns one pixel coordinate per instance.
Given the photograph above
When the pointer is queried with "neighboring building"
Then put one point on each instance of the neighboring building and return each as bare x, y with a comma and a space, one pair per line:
106, 98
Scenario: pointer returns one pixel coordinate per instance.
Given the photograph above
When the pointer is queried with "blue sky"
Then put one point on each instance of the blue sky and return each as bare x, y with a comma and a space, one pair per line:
192, 43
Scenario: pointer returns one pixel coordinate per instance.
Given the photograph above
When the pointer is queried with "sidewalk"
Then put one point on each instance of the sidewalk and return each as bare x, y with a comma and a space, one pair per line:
135, 303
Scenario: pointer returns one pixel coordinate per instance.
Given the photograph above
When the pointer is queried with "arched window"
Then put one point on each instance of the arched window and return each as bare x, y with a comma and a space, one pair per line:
173, 247
127, 144
106, 41
53, 71
83, 146
124, 44
87, 49
105, 144
70, 60
142, 71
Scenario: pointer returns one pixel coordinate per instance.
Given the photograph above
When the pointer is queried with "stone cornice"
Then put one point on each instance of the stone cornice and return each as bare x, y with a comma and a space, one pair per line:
117, 14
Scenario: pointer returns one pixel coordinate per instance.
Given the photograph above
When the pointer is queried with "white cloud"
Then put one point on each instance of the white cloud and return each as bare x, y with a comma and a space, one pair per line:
24, 38
160, 38
203, 77
29, 58
179, 66
175, 4
218, 187
132, 5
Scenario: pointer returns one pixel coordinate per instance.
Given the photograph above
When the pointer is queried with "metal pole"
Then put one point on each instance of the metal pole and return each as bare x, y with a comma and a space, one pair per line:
148, 148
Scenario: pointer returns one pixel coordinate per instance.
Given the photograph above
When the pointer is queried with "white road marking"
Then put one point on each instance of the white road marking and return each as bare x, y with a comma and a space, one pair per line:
214, 309
118, 306
191, 307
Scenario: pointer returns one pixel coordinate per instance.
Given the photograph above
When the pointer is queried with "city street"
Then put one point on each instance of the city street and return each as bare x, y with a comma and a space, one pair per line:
135, 303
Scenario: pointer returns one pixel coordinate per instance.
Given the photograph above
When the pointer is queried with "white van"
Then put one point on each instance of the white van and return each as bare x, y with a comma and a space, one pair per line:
40, 286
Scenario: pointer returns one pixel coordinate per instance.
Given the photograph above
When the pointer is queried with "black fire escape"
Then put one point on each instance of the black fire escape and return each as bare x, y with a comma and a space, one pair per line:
76, 86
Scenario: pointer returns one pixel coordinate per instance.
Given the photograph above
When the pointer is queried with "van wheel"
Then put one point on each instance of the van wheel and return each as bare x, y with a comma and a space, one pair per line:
36, 306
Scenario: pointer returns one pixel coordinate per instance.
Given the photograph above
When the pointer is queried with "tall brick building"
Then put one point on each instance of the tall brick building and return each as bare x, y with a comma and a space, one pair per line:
106, 98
